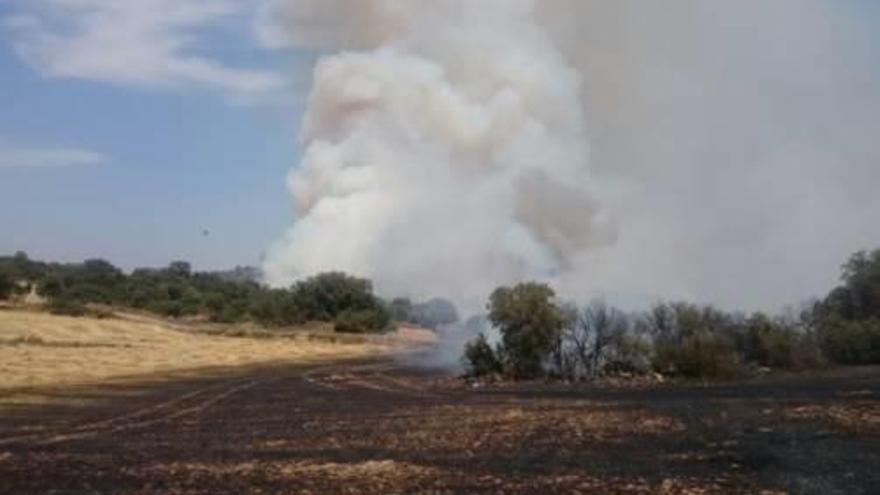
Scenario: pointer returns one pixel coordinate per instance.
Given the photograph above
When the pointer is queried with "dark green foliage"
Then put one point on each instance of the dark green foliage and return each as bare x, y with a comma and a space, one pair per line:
678, 339
861, 278
276, 308
225, 310
324, 296
694, 341
374, 319
67, 307
858, 298
177, 291
179, 269
778, 343
479, 357
851, 341
846, 320
20, 267
50, 287
530, 323
7, 286
347, 301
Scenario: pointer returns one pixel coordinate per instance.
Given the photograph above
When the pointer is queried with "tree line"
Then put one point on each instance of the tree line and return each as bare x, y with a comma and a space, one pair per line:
177, 291
236, 295
541, 336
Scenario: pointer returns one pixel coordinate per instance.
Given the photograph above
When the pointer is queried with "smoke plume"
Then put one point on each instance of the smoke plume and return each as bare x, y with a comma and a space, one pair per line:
716, 151
450, 158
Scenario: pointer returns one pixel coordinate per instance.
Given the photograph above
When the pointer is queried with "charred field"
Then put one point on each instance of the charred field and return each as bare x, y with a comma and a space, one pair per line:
377, 426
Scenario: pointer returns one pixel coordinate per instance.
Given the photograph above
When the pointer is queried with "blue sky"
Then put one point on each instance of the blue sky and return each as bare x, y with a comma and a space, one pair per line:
131, 160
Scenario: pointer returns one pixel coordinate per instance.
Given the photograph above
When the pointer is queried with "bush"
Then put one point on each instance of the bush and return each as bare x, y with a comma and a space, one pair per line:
67, 307
479, 357
770, 343
363, 320
7, 286
697, 356
275, 308
324, 296
51, 287
630, 353
851, 342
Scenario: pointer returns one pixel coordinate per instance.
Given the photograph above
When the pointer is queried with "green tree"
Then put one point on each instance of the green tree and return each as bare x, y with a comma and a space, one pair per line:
51, 287
847, 319
434, 313
480, 358
861, 277
179, 269
275, 307
324, 296
531, 324
851, 341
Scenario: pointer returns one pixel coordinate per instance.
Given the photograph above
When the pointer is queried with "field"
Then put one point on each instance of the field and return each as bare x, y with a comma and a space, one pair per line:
39, 350
369, 423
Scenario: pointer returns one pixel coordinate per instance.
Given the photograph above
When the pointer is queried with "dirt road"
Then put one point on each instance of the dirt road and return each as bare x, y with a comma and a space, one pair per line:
380, 427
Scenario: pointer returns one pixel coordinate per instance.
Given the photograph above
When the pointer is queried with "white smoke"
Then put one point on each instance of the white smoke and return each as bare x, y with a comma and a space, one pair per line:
448, 160
733, 151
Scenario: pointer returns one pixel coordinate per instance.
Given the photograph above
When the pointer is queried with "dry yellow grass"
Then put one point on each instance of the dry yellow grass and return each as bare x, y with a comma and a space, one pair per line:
38, 349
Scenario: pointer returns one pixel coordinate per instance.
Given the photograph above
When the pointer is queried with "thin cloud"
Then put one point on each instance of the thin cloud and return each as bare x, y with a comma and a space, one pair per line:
142, 43
32, 157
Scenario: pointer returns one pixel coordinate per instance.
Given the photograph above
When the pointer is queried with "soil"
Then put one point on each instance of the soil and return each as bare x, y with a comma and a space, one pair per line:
378, 426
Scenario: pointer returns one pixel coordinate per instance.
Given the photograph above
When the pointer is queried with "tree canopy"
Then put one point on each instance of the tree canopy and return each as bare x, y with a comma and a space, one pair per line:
530, 322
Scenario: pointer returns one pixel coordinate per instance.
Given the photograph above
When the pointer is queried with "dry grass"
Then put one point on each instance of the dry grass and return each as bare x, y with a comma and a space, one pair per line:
38, 349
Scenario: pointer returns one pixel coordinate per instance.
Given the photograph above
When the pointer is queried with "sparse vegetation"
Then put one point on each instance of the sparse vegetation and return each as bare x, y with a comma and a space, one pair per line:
539, 336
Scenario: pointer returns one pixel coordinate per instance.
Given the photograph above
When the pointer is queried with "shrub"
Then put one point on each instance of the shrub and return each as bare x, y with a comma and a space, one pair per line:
275, 308
851, 342
324, 296
363, 320
6, 286
697, 356
770, 343
629, 353
479, 357
67, 307
51, 287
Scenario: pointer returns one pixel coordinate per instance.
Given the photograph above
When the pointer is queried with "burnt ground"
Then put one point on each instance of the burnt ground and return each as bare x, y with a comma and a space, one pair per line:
380, 427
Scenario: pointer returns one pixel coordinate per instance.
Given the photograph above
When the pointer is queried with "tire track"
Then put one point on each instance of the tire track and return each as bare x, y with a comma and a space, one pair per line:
187, 404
